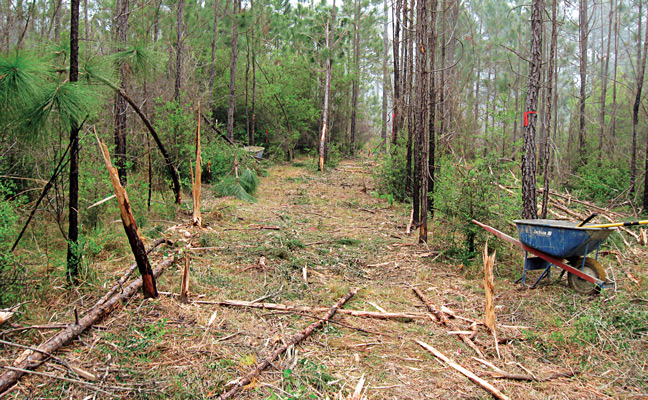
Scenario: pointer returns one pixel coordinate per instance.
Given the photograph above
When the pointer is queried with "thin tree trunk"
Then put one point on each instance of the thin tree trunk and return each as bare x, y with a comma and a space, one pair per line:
212, 70
529, 209
582, 41
230, 109
327, 90
356, 78
604, 83
641, 66
410, 102
396, 54
548, 104
422, 117
73, 252
178, 66
386, 79
432, 106
614, 83
167, 158
253, 127
121, 31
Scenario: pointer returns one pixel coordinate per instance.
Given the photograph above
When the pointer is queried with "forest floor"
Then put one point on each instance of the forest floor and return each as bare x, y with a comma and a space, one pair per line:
309, 240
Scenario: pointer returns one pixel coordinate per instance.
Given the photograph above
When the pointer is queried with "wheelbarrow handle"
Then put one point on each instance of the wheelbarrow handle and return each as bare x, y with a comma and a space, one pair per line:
586, 220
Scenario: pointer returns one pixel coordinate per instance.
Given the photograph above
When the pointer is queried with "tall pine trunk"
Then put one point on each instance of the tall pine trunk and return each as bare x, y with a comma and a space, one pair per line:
232, 93
178, 66
422, 112
73, 253
327, 90
396, 54
583, 35
356, 74
641, 61
121, 31
212, 71
546, 156
529, 209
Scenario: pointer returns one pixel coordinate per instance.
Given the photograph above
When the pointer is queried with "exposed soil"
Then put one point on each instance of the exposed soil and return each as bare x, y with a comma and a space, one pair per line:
332, 234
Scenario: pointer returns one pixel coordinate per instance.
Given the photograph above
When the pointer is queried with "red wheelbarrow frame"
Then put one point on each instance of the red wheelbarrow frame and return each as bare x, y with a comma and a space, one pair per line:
553, 260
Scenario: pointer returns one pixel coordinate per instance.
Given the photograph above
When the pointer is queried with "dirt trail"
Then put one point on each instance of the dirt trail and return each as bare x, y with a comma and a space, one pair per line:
332, 230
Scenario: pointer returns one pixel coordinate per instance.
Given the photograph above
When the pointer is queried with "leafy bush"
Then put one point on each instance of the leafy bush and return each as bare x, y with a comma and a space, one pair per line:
391, 173
601, 184
465, 191
11, 271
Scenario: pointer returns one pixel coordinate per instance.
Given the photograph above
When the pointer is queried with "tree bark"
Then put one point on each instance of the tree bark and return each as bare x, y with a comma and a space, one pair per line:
432, 105
529, 209
73, 252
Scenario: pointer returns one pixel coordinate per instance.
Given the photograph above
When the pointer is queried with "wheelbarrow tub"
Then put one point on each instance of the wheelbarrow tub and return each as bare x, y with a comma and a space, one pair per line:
560, 239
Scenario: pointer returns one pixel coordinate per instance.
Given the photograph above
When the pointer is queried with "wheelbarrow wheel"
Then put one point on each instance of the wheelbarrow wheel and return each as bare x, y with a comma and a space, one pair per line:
592, 268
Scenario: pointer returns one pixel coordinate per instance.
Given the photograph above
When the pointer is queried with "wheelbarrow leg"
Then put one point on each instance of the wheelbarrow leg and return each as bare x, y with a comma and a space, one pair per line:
535, 263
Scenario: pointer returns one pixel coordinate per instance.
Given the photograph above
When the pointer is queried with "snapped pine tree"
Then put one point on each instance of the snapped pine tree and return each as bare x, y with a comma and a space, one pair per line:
143, 265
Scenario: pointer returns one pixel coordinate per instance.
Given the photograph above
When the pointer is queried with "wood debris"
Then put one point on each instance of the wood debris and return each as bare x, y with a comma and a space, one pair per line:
470, 375
292, 342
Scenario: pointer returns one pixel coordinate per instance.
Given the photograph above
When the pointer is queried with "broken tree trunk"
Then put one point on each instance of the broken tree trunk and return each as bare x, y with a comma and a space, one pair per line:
167, 158
31, 359
292, 342
489, 290
143, 265
492, 389
197, 180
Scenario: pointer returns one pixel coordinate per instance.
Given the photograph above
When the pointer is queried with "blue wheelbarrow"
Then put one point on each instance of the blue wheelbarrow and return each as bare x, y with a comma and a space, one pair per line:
550, 242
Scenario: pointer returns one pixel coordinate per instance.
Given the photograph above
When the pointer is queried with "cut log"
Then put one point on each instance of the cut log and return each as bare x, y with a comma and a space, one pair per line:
492, 389
34, 359
292, 342
143, 265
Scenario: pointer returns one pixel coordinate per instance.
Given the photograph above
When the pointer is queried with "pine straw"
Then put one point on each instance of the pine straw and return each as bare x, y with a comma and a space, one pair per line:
345, 238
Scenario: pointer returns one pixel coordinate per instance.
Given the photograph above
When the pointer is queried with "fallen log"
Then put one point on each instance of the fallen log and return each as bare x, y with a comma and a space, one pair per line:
285, 307
31, 360
492, 389
128, 273
292, 342
522, 377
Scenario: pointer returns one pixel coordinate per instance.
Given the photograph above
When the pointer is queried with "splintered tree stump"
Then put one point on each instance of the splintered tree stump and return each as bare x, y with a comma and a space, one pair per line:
137, 246
197, 178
